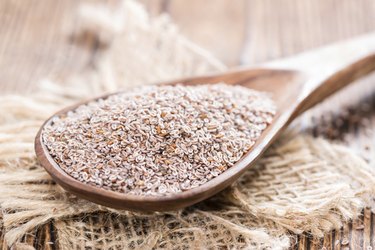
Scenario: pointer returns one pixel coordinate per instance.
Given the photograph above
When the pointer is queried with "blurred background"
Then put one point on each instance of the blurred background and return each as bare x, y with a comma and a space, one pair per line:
33, 33
36, 41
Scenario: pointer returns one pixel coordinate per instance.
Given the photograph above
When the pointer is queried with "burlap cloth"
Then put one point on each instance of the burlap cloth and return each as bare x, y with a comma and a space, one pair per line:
301, 185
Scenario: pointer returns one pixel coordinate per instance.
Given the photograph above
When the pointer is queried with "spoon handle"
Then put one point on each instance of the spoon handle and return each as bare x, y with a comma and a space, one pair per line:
331, 68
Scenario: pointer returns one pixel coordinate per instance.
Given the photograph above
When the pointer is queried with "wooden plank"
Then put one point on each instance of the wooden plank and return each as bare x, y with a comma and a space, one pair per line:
356, 241
236, 32
3, 245
302, 242
367, 227
346, 237
327, 241
221, 25
282, 28
315, 244
337, 236
372, 231
34, 42
46, 240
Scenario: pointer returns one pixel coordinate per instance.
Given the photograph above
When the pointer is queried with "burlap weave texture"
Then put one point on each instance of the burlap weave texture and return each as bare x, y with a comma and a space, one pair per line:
302, 184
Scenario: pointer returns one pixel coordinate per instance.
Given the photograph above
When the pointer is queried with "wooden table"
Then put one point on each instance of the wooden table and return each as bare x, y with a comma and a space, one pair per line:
33, 44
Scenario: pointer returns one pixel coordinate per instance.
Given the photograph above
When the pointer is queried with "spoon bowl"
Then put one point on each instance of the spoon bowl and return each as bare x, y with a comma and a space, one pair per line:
305, 81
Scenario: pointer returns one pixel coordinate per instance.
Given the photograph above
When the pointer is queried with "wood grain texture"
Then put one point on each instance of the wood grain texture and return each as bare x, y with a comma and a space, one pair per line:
272, 29
34, 42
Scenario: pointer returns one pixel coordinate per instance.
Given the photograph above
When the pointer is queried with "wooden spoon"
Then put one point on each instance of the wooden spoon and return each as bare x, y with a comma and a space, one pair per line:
297, 84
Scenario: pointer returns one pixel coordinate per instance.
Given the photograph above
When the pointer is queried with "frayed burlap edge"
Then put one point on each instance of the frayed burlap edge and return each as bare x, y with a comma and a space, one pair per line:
301, 185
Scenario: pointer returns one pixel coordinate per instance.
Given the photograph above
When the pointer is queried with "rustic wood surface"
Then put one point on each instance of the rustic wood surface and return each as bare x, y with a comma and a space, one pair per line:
33, 44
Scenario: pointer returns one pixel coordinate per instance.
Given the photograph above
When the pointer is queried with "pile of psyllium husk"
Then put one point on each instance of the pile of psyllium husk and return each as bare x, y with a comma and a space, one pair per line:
158, 140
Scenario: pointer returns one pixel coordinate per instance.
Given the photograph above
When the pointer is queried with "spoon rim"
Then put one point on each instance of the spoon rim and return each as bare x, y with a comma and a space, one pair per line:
196, 194
53, 168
